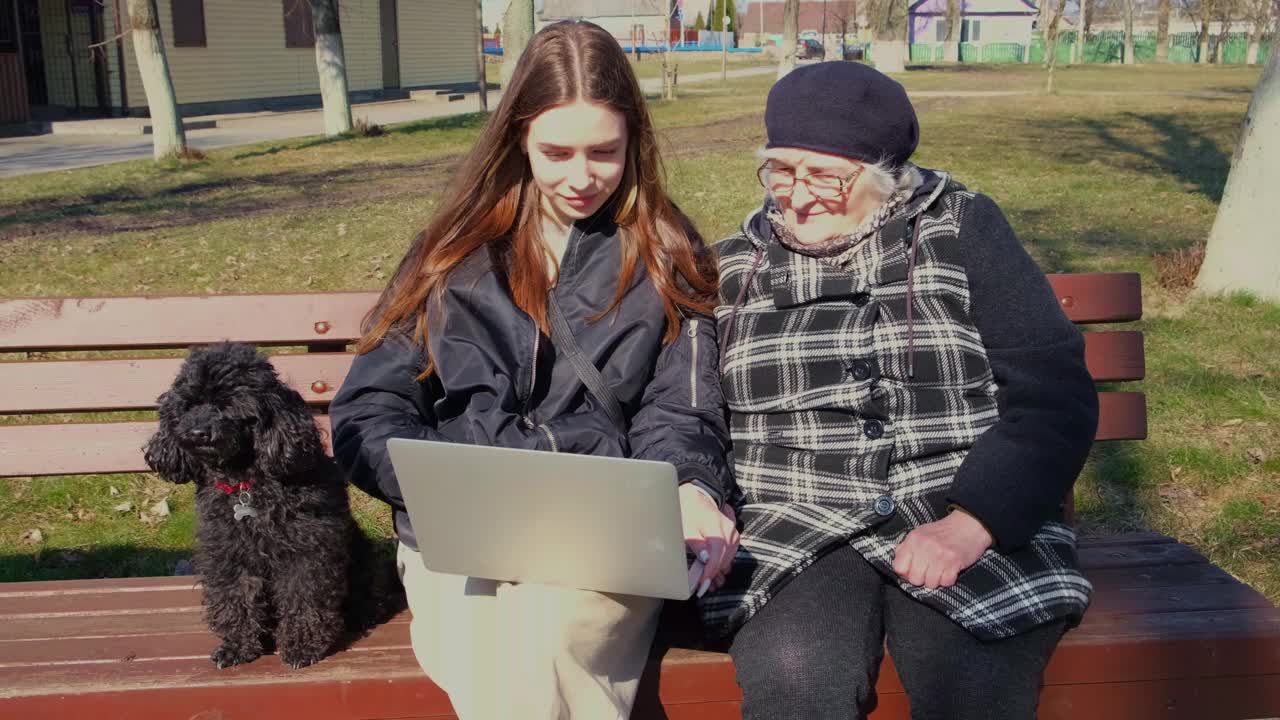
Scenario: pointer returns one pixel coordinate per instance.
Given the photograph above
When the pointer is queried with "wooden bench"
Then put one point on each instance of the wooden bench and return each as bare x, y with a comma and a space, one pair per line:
1169, 635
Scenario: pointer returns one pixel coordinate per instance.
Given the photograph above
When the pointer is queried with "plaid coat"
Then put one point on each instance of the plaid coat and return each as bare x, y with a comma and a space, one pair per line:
852, 418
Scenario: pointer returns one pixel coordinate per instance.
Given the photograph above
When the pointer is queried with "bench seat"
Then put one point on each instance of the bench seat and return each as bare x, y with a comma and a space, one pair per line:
1162, 615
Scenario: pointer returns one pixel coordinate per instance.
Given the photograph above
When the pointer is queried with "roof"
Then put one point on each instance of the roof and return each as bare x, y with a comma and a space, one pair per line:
810, 15
977, 7
558, 9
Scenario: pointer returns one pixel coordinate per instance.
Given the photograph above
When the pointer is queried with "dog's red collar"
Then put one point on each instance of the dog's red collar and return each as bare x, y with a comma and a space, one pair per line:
230, 489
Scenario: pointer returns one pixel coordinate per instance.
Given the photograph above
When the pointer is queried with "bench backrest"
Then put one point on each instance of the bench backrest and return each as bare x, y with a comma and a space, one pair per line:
317, 329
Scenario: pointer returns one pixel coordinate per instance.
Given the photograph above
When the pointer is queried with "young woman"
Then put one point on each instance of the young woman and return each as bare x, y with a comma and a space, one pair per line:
559, 207
909, 407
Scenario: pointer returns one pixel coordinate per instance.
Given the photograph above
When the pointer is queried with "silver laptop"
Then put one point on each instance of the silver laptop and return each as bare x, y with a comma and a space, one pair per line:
581, 521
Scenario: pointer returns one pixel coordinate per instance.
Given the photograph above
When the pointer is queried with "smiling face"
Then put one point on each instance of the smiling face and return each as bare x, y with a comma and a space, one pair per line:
842, 202
577, 154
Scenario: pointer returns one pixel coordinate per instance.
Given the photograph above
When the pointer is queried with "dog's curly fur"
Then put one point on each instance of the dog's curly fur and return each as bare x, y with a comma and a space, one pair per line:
300, 576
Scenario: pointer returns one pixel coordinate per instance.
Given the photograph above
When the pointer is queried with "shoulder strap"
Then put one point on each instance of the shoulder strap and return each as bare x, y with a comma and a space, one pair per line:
562, 336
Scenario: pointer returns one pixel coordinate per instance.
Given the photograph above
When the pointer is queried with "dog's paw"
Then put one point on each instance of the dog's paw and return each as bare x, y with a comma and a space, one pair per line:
227, 656
298, 659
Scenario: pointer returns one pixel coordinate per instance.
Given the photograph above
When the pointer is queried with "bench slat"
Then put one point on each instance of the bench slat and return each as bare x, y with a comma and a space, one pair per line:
1122, 416
83, 448
87, 448
179, 321
28, 324
135, 383
1105, 650
1099, 297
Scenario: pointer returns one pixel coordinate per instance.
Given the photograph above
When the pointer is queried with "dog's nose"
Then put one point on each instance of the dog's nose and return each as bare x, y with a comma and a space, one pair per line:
198, 434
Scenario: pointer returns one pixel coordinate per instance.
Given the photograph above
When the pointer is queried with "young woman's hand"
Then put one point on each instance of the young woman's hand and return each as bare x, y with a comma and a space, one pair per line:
934, 555
709, 534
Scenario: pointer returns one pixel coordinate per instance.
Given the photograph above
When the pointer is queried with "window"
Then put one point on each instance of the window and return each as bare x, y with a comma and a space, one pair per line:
298, 30
942, 30
188, 23
971, 31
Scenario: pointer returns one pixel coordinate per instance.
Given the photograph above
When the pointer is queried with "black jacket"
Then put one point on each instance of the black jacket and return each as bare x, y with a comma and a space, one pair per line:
499, 382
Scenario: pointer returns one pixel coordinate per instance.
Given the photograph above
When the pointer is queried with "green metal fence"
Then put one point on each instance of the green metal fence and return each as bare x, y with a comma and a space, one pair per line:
1099, 48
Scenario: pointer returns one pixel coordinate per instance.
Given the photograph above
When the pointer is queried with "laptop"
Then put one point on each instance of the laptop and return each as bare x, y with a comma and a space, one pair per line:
594, 523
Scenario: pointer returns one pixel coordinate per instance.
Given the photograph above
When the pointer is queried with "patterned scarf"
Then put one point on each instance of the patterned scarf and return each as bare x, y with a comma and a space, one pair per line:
836, 250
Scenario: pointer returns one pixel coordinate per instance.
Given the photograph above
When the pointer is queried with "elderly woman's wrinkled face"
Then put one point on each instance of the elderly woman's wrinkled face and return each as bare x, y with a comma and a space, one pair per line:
820, 195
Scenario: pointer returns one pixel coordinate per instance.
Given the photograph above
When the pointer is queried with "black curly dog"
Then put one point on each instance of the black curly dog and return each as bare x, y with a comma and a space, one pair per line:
282, 561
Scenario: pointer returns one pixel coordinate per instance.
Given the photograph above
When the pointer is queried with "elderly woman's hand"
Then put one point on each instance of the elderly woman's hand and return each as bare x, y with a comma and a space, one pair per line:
710, 533
934, 555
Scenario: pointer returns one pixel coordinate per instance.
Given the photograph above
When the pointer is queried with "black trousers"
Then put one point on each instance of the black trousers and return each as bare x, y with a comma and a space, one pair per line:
814, 651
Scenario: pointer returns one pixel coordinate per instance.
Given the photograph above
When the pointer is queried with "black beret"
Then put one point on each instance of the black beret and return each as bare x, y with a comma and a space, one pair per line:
842, 108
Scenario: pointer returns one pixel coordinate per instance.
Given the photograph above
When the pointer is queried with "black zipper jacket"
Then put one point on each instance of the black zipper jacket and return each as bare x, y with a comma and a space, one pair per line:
500, 382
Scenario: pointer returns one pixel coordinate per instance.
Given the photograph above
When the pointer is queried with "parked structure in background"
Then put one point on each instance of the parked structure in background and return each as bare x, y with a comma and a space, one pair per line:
981, 21
832, 23
632, 22
224, 55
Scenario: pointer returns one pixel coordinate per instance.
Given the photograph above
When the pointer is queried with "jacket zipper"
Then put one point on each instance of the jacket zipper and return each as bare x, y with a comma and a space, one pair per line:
551, 437
693, 367
526, 415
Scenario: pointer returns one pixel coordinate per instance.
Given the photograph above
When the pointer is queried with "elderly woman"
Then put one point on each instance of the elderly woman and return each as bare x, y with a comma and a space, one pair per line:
909, 408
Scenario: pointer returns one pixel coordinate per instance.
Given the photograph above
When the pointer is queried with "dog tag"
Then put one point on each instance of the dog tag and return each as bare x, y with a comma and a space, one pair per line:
243, 509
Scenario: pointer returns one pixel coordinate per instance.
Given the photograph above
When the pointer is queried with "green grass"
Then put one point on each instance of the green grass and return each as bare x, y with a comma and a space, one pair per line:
1089, 182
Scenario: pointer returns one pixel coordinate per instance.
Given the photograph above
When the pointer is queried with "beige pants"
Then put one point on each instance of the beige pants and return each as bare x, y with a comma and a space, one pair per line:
507, 651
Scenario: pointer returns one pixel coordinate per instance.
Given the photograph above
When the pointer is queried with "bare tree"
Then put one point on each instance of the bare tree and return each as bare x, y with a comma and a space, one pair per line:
1202, 12
480, 71
1260, 14
843, 15
331, 64
1162, 31
517, 30
1129, 58
1051, 40
1242, 252
167, 134
954, 17
790, 36
1051, 14
888, 31
1225, 11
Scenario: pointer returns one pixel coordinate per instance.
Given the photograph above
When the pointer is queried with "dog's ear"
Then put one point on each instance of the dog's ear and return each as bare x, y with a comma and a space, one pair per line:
288, 441
166, 457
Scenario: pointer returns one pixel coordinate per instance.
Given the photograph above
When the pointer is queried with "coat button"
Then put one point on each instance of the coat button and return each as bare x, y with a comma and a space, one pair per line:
873, 429
861, 299
861, 370
884, 506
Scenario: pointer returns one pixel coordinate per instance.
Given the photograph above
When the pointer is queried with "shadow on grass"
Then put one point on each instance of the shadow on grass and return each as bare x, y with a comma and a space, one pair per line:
131, 210
108, 561
116, 561
1176, 148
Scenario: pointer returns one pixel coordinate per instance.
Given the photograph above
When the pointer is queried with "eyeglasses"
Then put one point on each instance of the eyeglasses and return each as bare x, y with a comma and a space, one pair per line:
782, 180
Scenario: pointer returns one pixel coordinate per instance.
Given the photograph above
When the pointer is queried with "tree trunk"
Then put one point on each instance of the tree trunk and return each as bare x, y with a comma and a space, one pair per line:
889, 49
1206, 8
167, 135
1255, 40
1129, 59
331, 63
790, 37
481, 75
517, 30
1242, 252
955, 17
1051, 41
1162, 30
1055, 11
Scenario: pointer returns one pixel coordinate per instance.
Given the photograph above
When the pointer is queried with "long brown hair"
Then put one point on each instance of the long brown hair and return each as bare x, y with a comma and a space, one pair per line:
494, 196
